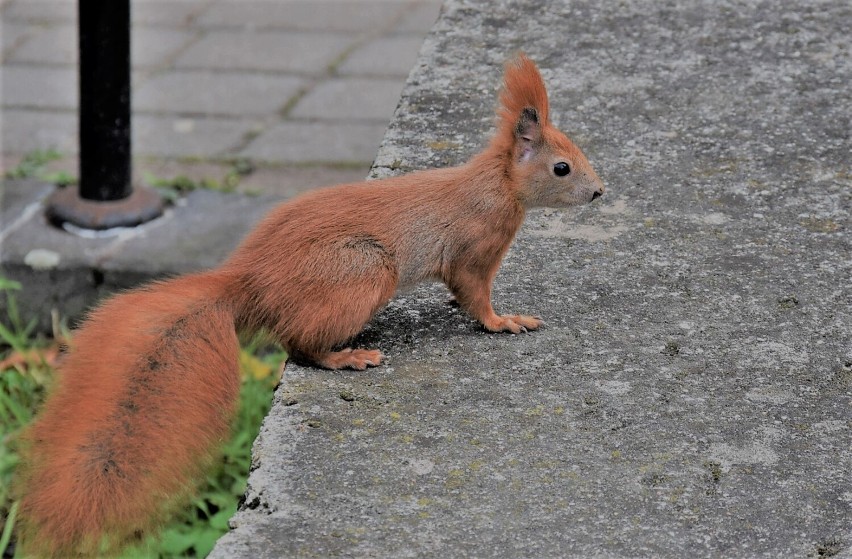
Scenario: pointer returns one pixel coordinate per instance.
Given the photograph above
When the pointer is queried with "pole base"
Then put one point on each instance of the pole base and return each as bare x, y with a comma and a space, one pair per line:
66, 205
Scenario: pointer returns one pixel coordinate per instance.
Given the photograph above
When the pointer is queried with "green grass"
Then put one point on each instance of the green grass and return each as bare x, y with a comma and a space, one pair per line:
181, 185
21, 390
33, 166
194, 529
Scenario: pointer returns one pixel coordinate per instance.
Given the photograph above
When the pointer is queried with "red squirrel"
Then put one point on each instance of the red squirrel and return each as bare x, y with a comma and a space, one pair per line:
145, 394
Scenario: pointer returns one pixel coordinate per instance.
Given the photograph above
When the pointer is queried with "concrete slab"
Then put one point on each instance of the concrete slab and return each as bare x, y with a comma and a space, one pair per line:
156, 46
420, 19
12, 35
69, 273
24, 131
350, 99
41, 87
691, 393
166, 13
314, 142
54, 44
55, 267
290, 181
233, 71
197, 233
385, 56
216, 93
17, 200
41, 11
283, 51
58, 44
306, 15
176, 136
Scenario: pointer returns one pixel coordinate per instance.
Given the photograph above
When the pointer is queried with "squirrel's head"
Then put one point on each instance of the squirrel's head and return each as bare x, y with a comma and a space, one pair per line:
547, 168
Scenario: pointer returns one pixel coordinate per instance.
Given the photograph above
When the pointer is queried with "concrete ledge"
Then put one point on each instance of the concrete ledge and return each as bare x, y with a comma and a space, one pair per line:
691, 394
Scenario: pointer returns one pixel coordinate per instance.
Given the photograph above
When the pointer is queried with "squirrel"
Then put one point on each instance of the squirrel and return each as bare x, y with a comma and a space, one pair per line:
146, 390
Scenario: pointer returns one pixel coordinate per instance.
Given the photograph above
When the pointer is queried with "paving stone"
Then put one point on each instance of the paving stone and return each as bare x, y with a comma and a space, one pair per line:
385, 56
420, 18
313, 142
41, 11
288, 182
165, 13
290, 51
157, 46
42, 87
12, 35
206, 92
58, 44
172, 136
54, 44
153, 46
24, 131
350, 98
308, 15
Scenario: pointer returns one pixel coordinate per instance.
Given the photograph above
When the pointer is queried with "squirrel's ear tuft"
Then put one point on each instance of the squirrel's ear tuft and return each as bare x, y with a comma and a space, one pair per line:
523, 89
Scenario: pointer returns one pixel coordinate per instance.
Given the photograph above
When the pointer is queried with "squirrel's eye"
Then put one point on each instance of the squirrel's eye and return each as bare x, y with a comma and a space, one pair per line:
561, 169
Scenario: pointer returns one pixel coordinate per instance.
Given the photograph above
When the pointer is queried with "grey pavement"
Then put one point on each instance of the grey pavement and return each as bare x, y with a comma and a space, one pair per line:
691, 395
292, 85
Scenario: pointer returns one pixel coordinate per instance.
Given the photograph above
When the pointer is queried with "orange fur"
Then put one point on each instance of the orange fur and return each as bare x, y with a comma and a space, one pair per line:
148, 387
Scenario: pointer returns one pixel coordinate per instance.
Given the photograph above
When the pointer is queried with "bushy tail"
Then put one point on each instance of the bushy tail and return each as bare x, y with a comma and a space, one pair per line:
141, 403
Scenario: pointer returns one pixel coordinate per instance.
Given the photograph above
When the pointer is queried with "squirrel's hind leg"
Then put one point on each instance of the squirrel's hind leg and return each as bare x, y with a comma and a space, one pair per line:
330, 320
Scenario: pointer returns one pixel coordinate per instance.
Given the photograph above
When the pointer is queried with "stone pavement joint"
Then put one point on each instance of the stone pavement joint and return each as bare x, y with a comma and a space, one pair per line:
219, 79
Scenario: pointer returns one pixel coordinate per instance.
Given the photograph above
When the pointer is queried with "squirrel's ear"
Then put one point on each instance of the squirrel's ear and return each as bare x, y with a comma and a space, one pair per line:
527, 134
523, 111
528, 126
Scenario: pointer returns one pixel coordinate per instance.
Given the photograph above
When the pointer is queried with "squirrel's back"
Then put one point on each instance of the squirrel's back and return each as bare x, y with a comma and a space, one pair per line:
141, 401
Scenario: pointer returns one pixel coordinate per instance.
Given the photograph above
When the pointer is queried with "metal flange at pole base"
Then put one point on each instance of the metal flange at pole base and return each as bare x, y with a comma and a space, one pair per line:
67, 206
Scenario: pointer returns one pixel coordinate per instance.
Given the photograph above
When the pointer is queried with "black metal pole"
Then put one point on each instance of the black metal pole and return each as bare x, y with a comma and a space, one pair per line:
105, 155
106, 197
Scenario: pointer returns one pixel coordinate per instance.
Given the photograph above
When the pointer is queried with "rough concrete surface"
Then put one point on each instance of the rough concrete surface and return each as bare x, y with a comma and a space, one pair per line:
690, 395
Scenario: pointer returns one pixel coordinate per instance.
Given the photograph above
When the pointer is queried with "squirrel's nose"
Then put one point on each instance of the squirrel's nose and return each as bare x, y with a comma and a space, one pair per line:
596, 194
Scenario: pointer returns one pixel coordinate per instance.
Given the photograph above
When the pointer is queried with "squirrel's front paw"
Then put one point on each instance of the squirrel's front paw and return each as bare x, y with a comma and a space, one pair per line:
515, 324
